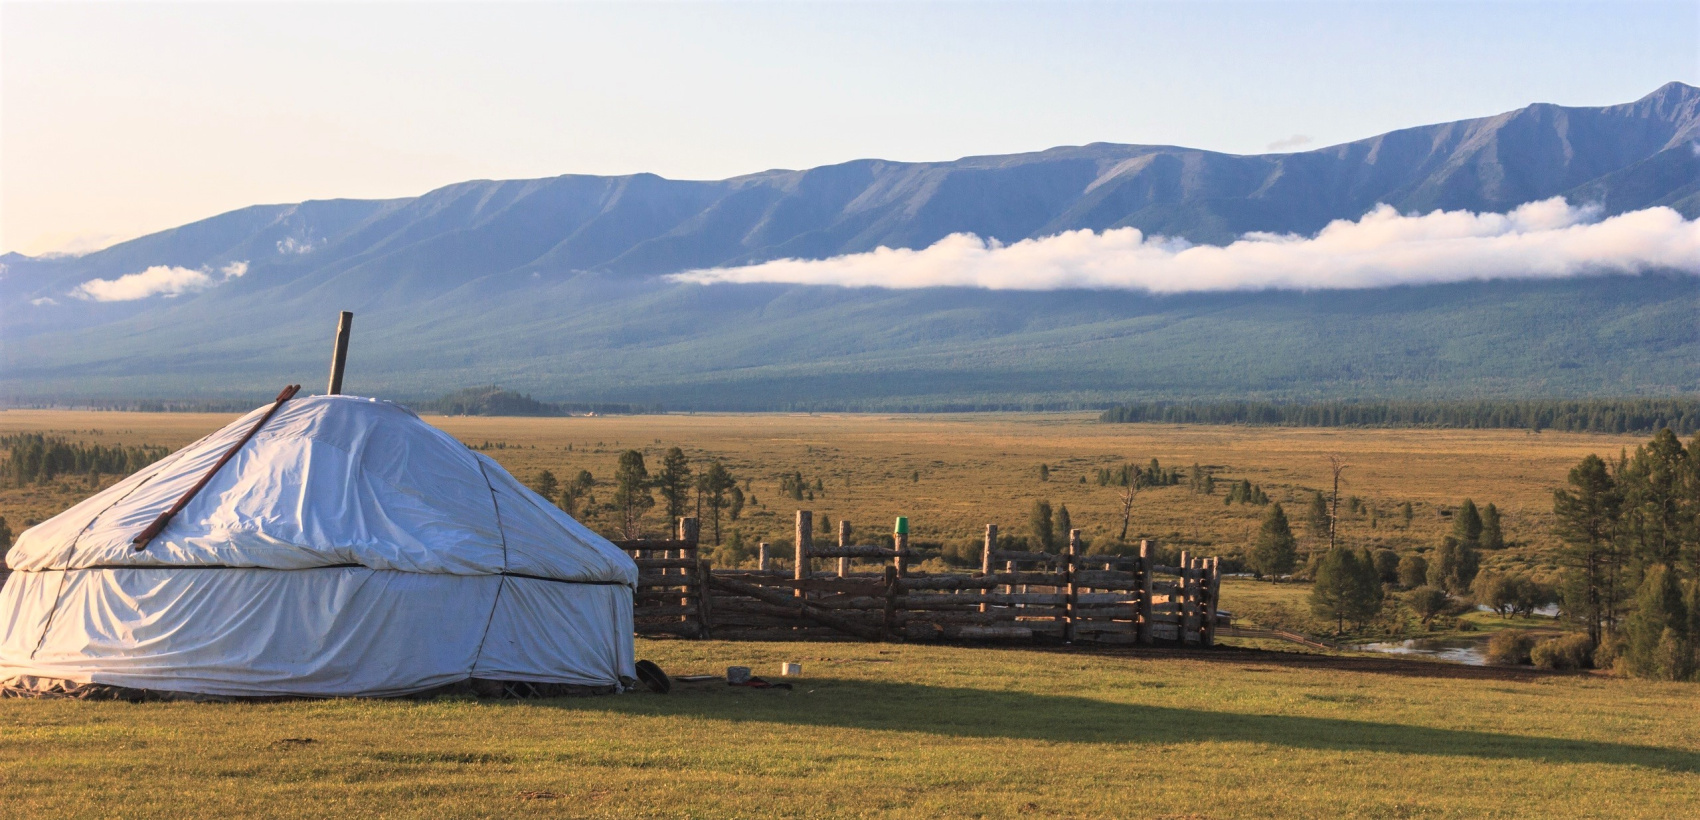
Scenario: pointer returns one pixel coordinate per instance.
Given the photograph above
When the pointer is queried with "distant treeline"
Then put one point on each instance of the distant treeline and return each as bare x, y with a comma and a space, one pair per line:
494, 401
1682, 416
35, 458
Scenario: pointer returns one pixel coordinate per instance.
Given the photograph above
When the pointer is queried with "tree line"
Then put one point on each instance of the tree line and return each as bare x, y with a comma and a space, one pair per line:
709, 492
34, 458
1682, 416
494, 401
1631, 556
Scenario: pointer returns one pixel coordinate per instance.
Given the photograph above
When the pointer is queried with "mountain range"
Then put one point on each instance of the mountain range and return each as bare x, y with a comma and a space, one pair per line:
556, 286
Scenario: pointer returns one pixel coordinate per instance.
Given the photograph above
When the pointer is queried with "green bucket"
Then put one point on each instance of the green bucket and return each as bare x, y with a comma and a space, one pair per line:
902, 527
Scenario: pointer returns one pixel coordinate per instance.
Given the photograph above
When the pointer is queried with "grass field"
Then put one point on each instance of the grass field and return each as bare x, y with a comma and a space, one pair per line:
953, 474
919, 730
895, 730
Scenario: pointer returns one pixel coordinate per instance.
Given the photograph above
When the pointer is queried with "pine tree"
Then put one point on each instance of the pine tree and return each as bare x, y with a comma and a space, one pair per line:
1316, 517
545, 484
1040, 524
1061, 523
1467, 524
1406, 513
575, 496
1276, 551
1454, 566
674, 482
1657, 641
1587, 512
631, 493
1492, 537
1346, 588
714, 486
1044, 472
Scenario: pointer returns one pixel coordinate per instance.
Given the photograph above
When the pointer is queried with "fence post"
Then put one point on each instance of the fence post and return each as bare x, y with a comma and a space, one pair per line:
843, 541
1189, 596
705, 570
805, 545
1147, 560
761, 556
1071, 602
888, 627
1215, 573
687, 532
986, 559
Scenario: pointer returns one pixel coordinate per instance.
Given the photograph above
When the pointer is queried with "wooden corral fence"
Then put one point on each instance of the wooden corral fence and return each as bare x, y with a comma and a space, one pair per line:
868, 592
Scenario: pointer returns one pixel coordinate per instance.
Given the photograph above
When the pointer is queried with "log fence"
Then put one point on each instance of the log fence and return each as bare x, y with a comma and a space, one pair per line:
1067, 597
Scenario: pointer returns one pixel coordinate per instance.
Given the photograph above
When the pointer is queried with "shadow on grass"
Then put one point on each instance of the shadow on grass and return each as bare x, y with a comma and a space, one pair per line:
979, 713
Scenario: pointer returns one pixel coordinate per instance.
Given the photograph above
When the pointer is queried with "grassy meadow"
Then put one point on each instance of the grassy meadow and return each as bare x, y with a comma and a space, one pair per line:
907, 731
913, 730
954, 474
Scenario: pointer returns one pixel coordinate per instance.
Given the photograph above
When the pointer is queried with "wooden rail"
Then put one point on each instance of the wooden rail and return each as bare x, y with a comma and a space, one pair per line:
1067, 596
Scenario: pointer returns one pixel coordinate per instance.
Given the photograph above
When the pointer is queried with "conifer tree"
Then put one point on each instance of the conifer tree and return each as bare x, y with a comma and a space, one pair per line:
1587, 511
1657, 641
1406, 513
1346, 588
1040, 525
1467, 524
1316, 517
631, 493
1276, 551
1492, 537
715, 487
674, 482
545, 484
1061, 523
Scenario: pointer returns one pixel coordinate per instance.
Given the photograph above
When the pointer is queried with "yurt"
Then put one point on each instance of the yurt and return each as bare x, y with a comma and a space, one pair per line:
319, 546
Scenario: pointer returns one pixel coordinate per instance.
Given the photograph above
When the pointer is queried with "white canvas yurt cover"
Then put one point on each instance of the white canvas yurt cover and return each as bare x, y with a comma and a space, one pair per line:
347, 548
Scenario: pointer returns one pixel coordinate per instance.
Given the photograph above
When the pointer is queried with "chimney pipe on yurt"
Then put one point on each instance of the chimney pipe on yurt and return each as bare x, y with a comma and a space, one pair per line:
339, 352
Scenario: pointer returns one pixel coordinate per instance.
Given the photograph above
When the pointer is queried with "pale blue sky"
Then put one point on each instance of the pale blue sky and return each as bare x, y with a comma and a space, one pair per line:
117, 120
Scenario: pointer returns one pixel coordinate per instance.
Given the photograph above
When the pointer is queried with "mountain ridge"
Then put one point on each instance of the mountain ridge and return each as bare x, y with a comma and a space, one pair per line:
586, 248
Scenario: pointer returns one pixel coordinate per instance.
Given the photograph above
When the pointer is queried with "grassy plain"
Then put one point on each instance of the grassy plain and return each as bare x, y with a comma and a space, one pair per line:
954, 474
907, 731
920, 730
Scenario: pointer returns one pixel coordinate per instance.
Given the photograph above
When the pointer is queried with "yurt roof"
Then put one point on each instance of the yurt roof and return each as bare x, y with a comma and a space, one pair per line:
326, 481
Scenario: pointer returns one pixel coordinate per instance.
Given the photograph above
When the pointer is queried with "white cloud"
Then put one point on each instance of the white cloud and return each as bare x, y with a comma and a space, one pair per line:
291, 245
1540, 240
1290, 143
43, 300
159, 280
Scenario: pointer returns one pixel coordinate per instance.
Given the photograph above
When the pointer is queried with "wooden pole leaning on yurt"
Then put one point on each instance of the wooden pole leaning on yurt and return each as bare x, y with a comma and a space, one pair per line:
159, 524
339, 352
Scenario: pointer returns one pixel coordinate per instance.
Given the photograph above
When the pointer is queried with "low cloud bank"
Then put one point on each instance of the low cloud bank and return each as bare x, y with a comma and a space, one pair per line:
1541, 240
159, 280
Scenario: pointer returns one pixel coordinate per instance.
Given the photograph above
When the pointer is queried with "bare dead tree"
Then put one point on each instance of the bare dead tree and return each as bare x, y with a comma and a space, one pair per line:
1338, 467
1129, 492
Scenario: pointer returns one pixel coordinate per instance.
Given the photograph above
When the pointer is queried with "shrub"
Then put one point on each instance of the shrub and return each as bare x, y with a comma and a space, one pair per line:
1427, 602
1387, 565
1413, 571
1509, 647
1607, 653
1575, 651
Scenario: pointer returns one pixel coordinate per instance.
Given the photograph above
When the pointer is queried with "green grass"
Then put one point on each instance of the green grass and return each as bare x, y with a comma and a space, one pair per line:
899, 730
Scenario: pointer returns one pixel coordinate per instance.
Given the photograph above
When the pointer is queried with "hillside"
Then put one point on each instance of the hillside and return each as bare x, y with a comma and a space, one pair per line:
551, 286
